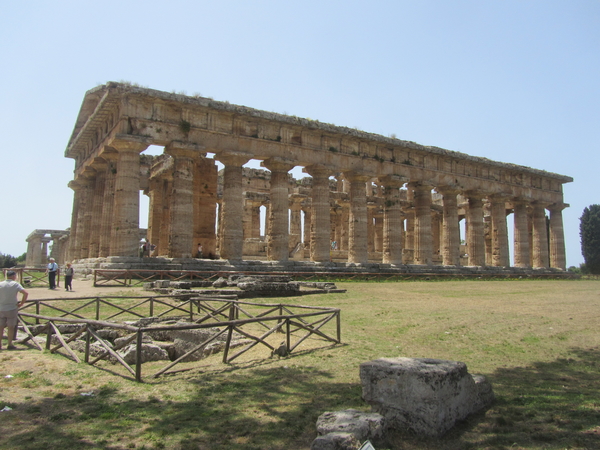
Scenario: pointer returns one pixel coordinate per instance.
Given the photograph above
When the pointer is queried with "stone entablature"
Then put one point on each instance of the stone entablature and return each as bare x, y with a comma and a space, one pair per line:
380, 203
37, 247
152, 117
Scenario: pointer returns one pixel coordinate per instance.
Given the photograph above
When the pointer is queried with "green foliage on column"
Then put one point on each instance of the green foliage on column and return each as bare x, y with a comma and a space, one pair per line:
589, 231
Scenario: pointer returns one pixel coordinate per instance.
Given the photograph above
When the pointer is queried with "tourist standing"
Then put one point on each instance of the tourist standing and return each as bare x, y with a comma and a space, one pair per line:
69, 277
200, 251
51, 271
9, 306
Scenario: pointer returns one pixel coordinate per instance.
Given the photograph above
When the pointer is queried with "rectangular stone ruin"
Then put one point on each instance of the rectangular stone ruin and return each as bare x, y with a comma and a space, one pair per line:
427, 396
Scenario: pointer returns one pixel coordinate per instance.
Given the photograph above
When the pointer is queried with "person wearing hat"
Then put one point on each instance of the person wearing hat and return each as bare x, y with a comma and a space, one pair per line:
51, 271
9, 306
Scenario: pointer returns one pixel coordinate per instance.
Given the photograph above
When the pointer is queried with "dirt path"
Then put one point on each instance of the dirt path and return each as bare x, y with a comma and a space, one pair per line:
81, 288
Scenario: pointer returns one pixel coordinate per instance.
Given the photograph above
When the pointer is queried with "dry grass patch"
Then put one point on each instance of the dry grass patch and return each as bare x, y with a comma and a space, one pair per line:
537, 341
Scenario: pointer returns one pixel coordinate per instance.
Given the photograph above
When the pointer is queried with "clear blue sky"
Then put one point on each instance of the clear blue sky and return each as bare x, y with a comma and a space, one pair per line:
513, 81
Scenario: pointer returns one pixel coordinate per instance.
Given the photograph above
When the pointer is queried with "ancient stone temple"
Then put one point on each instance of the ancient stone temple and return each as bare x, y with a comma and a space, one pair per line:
40, 241
365, 198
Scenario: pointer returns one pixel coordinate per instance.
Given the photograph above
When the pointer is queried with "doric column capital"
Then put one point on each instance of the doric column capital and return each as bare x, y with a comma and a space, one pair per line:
277, 164
420, 186
185, 150
231, 158
355, 177
393, 181
557, 207
126, 143
318, 171
448, 190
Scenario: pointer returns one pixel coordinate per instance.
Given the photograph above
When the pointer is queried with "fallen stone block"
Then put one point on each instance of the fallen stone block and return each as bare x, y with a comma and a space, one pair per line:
336, 441
428, 396
361, 424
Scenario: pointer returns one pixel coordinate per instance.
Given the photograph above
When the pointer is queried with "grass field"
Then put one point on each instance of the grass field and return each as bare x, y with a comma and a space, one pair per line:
538, 342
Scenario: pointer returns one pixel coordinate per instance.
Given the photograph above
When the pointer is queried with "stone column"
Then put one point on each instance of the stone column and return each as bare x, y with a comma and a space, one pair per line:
557, 236
44, 254
307, 227
295, 220
475, 237
540, 237
450, 228
181, 243
357, 240
232, 205
205, 205
320, 226
392, 220
521, 234
108, 204
344, 222
56, 251
30, 245
36, 253
73, 238
155, 213
84, 217
499, 230
379, 231
279, 238
97, 202
126, 209
423, 234
370, 226
166, 188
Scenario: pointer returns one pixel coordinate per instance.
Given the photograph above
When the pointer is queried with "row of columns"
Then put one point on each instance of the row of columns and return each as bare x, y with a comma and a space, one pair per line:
106, 214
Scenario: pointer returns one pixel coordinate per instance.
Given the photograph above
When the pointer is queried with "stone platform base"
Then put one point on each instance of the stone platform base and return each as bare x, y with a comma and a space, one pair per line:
86, 266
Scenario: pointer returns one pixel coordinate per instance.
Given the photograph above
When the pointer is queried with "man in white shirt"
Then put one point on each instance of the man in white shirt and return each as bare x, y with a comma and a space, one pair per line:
9, 306
51, 271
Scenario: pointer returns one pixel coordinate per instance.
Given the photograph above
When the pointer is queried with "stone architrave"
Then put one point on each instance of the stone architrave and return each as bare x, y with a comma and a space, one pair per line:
475, 237
499, 230
423, 248
320, 219
232, 205
126, 209
557, 236
181, 244
540, 237
392, 220
451, 229
521, 234
357, 241
279, 239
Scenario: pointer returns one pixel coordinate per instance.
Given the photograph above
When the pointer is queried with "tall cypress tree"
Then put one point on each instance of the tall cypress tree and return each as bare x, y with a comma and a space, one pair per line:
589, 231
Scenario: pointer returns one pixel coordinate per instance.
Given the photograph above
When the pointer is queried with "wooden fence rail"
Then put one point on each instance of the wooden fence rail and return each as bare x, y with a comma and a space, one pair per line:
298, 322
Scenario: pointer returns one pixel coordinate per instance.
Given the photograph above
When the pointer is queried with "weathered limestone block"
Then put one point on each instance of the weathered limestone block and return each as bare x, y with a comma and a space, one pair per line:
268, 289
150, 352
425, 395
361, 424
336, 441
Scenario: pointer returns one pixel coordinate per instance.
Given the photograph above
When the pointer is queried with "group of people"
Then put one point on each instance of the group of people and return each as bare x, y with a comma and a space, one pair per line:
52, 270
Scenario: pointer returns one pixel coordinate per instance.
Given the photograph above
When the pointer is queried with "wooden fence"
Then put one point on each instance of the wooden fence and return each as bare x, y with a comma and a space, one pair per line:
255, 321
28, 276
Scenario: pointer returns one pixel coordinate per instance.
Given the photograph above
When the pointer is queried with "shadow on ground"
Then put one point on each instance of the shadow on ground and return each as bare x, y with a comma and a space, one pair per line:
548, 405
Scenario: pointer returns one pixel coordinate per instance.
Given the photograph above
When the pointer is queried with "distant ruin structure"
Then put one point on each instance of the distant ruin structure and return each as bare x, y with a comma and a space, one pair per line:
39, 242
366, 198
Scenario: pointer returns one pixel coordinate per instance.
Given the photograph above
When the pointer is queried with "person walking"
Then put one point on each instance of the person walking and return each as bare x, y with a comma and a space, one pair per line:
69, 277
9, 306
51, 271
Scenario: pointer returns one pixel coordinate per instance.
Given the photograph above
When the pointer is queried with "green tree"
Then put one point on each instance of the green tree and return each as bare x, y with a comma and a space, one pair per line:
7, 261
589, 231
